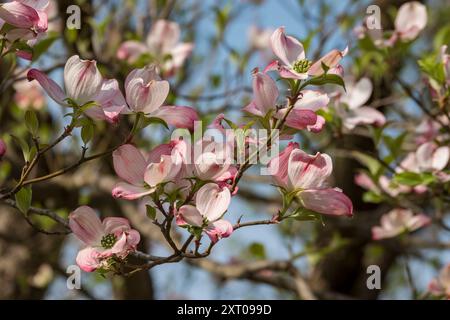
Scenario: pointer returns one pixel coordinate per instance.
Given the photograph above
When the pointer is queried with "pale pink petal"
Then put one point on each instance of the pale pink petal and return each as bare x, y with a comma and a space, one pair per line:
129, 164
88, 259
308, 171
440, 158
127, 191
278, 166
154, 156
131, 51
86, 225
36, 4
219, 229
18, 14
146, 97
363, 115
331, 60
411, 19
289, 73
212, 201
163, 171
312, 100
178, 55
133, 238
357, 93
253, 109
286, 48
53, 90
265, 92
190, 215
178, 116
209, 166
115, 225
327, 201
298, 118
119, 248
318, 126
82, 79
163, 36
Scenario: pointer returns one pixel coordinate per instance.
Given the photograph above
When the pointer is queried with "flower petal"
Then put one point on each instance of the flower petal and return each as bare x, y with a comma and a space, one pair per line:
178, 116
212, 201
219, 229
286, 48
127, 191
88, 259
327, 201
308, 171
129, 164
190, 215
115, 225
86, 225
265, 92
82, 79
53, 90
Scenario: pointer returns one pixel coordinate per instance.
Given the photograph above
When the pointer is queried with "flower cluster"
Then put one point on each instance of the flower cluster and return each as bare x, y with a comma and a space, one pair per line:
26, 20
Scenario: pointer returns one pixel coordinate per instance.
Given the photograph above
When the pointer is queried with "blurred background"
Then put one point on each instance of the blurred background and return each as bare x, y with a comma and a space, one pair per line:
230, 39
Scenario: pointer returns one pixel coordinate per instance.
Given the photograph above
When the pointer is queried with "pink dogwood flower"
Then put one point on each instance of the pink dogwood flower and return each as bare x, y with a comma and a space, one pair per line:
104, 239
411, 19
428, 157
295, 170
212, 160
259, 38
398, 221
83, 83
265, 94
351, 105
292, 55
146, 92
211, 203
163, 44
440, 286
141, 176
29, 19
303, 115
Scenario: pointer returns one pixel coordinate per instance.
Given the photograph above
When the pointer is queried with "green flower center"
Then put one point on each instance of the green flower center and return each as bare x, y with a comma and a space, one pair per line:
108, 241
301, 66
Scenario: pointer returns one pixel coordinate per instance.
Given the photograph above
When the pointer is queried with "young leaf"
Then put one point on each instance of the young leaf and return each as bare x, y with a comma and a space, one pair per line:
151, 212
87, 133
23, 199
31, 122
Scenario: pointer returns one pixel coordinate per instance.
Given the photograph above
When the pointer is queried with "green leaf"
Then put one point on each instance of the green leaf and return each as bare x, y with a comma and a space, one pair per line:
32, 122
87, 106
87, 133
432, 68
327, 115
372, 197
325, 68
151, 212
413, 179
257, 250
371, 163
43, 45
23, 145
23, 199
325, 79
151, 120
303, 214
